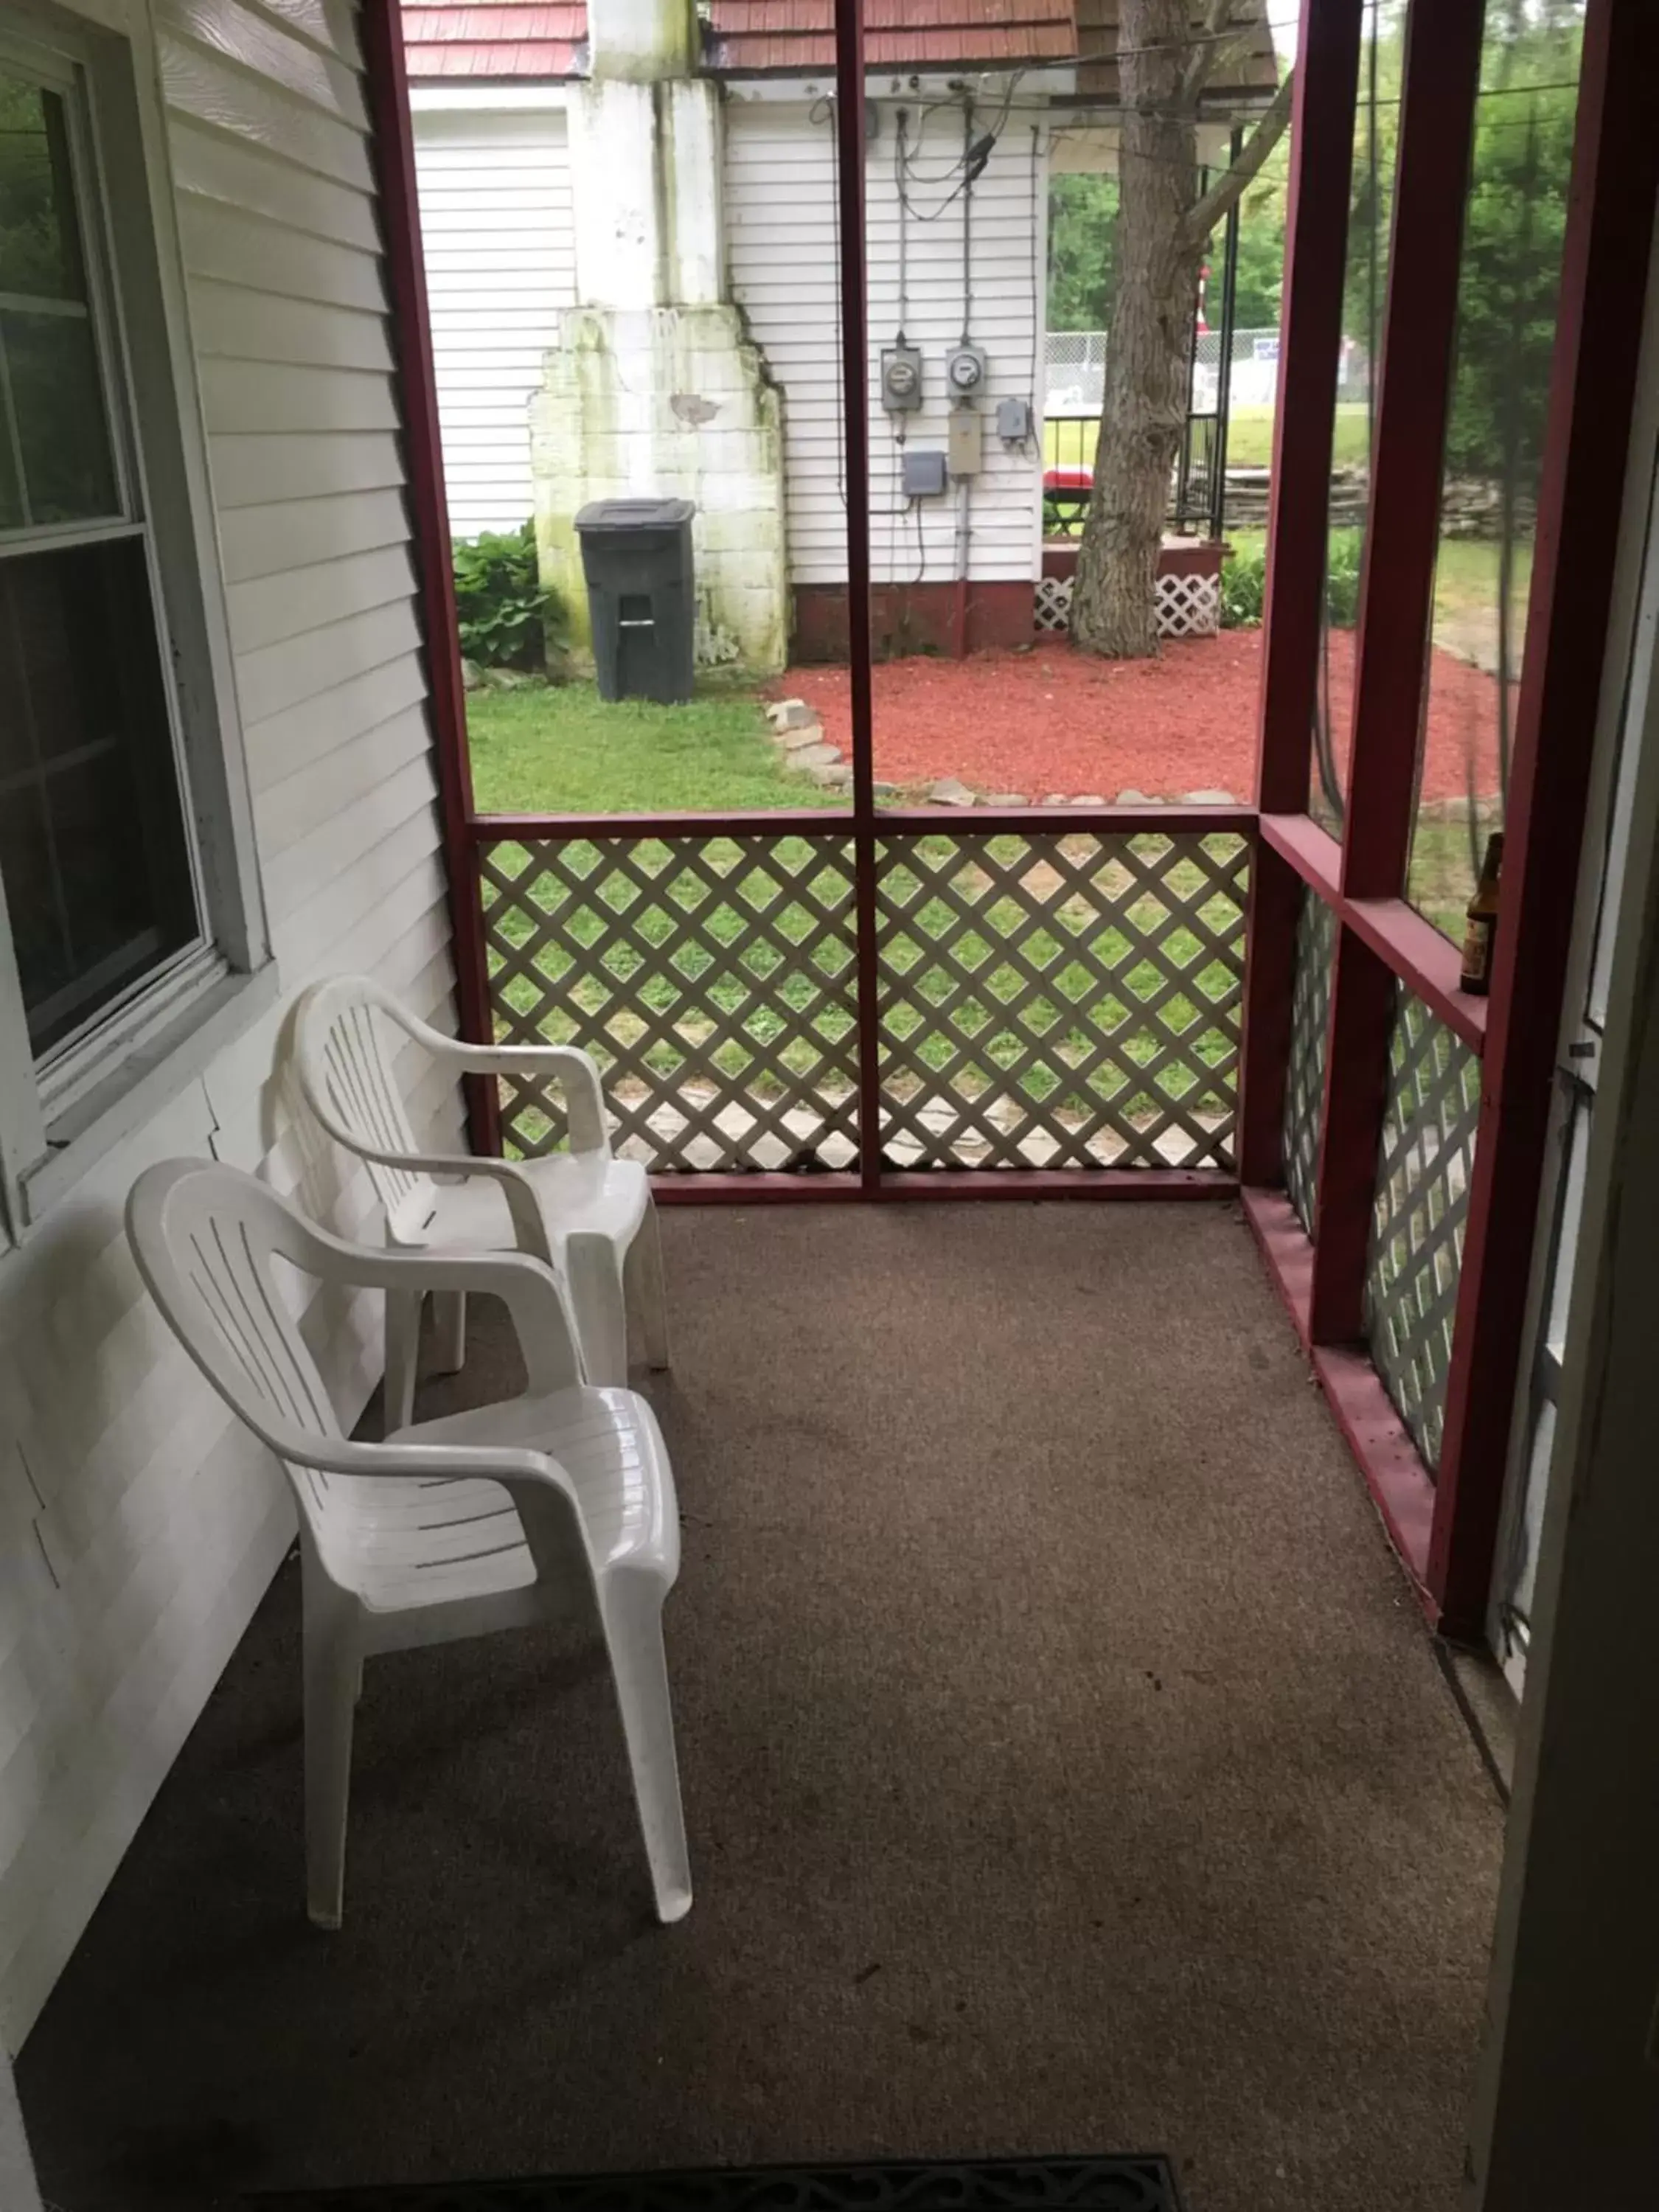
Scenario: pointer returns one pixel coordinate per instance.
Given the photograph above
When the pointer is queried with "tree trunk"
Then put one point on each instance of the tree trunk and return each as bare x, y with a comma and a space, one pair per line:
1114, 597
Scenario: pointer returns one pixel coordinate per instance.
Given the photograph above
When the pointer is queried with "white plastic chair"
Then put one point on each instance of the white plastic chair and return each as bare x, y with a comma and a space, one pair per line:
557, 1503
587, 1214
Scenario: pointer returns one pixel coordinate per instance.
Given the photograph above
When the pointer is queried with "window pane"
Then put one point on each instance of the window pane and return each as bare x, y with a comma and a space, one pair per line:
93, 849
39, 242
56, 459
11, 499
68, 470
1508, 291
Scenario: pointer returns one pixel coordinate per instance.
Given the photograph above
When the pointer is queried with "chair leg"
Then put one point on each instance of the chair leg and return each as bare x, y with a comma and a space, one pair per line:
594, 1282
449, 1331
333, 1673
403, 1356
643, 1278
633, 1625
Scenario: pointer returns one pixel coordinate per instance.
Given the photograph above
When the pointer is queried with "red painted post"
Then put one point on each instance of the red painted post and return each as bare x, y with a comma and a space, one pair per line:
393, 147
1441, 79
1304, 418
855, 412
1362, 999
1316, 235
1592, 391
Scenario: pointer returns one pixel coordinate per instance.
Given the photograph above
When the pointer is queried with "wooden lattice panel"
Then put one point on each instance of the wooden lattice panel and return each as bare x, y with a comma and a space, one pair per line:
1187, 606
1051, 608
1059, 1000
1417, 1216
1305, 1076
711, 977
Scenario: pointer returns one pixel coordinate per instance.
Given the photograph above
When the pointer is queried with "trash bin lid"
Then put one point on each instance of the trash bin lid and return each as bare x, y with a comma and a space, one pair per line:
634, 514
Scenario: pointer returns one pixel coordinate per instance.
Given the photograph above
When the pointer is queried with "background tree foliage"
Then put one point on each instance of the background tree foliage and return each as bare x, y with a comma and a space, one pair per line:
1513, 223
1512, 236
1260, 281
1512, 239
1083, 252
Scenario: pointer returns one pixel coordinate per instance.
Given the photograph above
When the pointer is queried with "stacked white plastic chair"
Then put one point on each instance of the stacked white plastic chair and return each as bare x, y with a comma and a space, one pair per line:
586, 1212
558, 1504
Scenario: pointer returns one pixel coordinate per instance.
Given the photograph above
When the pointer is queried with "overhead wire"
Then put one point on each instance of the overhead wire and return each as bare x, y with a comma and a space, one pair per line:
968, 176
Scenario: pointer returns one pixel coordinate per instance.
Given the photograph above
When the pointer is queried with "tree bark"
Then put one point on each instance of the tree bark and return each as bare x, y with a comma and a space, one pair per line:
1115, 595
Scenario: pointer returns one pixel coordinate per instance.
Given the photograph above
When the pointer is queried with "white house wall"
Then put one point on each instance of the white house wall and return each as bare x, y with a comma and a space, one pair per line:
138, 1527
782, 232
496, 212
501, 264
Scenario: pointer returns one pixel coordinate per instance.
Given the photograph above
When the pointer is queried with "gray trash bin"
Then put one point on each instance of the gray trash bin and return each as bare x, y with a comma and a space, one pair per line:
636, 557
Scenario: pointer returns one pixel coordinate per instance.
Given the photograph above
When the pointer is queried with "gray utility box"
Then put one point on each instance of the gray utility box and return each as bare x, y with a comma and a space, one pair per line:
636, 557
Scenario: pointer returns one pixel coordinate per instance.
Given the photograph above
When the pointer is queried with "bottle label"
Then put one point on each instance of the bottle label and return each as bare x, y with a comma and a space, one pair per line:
1477, 951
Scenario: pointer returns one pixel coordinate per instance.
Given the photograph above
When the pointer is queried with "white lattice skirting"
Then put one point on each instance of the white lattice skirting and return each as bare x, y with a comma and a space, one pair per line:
1187, 606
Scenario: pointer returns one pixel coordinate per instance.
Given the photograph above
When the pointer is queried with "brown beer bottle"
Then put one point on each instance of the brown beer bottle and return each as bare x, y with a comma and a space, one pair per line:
1480, 931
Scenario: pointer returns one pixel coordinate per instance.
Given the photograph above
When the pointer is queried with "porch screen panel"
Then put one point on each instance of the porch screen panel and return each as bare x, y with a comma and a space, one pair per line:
1304, 1081
1364, 292
712, 977
1508, 302
1059, 1000
1421, 1200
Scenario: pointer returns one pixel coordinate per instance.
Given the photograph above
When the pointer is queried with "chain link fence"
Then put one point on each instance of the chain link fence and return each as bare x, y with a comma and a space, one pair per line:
1074, 372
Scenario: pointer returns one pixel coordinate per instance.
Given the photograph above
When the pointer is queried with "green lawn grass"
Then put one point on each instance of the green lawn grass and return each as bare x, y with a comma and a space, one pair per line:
560, 749
693, 969
1071, 444
1250, 436
1465, 580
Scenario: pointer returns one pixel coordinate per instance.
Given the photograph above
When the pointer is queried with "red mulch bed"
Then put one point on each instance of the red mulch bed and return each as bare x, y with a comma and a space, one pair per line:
1051, 720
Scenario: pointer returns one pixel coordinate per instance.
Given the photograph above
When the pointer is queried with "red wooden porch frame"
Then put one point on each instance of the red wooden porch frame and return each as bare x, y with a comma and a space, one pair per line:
1445, 1529
1444, 1533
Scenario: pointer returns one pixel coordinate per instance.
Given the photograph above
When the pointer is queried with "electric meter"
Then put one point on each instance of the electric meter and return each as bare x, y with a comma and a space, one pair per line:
964, 372
901, 380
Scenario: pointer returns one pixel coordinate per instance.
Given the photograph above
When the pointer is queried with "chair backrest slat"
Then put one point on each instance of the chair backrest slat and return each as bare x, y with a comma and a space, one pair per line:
346, 1073
206, 1238
240, 1293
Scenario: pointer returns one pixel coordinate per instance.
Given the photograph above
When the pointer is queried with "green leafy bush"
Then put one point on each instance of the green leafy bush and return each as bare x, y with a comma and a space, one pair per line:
507, 617
1244, 583
1342, 579
1243, 587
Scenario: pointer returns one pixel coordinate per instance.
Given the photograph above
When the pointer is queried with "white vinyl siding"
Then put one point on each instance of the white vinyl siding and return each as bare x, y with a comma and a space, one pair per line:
496, 219
780, 218
139, 1526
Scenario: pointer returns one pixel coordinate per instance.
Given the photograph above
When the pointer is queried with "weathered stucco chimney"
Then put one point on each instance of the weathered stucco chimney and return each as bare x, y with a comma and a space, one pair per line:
653, 387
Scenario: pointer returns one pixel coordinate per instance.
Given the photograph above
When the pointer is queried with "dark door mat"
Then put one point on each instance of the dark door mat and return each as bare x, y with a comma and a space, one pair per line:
997, 2185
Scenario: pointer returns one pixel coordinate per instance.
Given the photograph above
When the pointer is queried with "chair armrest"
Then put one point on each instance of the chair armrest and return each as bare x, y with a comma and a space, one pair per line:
526, 1285
550, 1511
371, 1463
529, 1229
575, 1072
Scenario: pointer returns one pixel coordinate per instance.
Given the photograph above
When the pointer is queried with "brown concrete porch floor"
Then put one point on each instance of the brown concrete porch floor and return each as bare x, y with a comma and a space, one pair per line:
1067, 1766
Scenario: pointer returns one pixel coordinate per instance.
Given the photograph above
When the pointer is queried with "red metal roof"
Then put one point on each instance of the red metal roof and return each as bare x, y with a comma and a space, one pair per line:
743, 37
753, 38
508, 39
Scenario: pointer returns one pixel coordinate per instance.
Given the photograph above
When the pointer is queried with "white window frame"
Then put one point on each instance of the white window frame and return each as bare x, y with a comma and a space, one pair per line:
58, 1116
